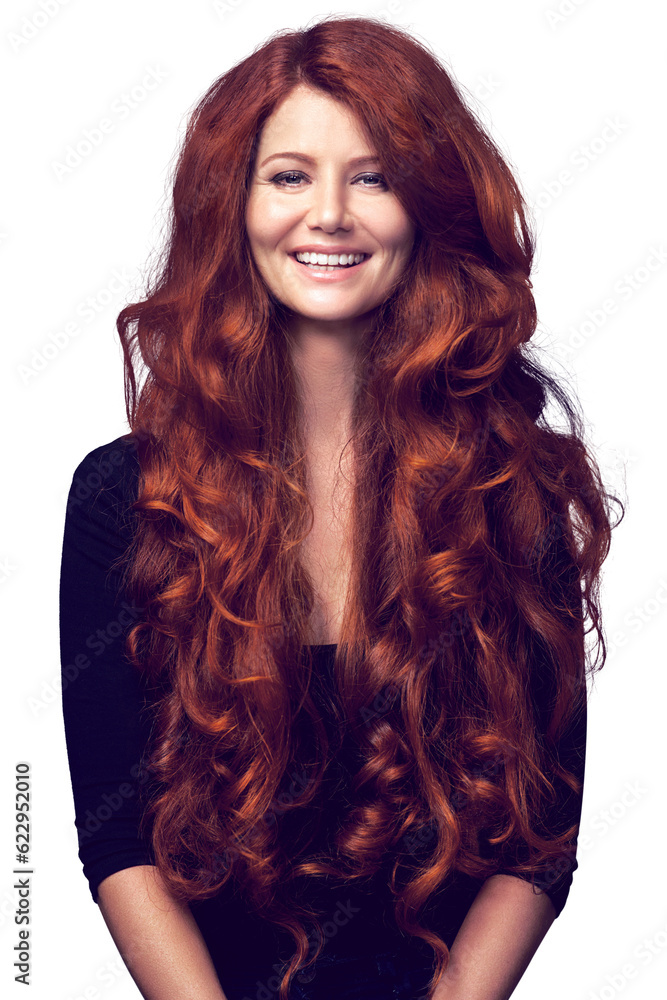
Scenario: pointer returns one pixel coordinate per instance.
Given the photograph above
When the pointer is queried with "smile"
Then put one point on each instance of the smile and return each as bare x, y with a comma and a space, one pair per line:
329, 272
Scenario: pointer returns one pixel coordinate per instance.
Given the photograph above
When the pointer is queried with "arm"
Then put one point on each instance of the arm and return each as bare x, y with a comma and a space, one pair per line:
157, 937
107, 729
508, 920
500, 934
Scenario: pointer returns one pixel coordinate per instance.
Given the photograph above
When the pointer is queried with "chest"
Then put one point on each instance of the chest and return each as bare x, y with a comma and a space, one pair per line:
325, 552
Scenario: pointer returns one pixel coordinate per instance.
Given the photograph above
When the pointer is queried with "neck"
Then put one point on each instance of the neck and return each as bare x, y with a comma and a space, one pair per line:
325, 368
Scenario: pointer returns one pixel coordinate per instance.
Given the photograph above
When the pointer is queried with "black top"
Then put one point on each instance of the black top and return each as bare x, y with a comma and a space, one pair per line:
107, 729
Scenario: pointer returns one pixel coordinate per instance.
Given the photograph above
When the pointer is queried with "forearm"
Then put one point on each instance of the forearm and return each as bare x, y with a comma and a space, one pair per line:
158, 938
499, 936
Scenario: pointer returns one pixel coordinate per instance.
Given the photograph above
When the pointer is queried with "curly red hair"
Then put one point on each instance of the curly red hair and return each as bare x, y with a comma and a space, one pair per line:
479, 528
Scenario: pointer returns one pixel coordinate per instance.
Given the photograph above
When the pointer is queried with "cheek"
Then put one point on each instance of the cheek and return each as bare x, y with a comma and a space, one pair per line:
266, 226
399, 233
258, 219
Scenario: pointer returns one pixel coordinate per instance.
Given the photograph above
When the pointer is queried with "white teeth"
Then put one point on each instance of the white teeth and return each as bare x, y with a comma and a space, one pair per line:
332, 259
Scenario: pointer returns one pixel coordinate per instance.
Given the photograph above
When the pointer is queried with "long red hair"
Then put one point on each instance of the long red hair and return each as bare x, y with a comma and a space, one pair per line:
479, 528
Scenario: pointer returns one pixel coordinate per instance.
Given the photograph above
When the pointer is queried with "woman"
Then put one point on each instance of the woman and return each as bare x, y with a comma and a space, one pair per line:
323, 610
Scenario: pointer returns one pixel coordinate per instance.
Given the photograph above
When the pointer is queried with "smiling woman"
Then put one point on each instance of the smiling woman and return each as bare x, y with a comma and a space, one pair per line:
333, 205
341, 751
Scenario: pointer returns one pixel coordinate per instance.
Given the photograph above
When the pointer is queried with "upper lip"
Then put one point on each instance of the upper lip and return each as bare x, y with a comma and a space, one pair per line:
335, 249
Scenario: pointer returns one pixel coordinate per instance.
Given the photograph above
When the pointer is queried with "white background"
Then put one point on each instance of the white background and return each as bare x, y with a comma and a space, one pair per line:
548, 78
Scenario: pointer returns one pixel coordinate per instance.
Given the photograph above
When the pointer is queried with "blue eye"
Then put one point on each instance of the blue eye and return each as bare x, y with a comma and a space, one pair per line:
281, 179
377, 177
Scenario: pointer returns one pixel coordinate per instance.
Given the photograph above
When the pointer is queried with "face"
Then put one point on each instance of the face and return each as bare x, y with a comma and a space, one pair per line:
316, 186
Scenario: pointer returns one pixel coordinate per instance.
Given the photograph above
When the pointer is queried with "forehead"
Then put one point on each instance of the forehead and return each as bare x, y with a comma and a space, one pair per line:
311, 119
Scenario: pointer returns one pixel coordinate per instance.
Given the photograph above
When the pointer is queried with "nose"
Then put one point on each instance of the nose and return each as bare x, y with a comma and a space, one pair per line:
329, 206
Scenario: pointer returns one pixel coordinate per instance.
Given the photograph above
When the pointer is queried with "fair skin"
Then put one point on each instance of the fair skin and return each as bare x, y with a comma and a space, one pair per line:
167, 957
316, 182
501, 932
157, 937
325, 200
330, 202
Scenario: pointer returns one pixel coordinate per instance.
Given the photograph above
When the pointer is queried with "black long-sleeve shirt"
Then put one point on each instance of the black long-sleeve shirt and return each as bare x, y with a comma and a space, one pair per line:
107, 729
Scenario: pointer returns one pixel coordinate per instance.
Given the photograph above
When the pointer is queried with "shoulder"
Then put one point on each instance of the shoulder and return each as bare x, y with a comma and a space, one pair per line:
105, 484
114, 462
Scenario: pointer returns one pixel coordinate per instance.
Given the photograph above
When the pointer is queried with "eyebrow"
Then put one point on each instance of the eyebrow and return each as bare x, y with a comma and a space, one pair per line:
309, 159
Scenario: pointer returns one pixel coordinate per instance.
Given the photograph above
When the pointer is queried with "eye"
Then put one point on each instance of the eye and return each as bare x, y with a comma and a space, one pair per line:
377, 177
281, 179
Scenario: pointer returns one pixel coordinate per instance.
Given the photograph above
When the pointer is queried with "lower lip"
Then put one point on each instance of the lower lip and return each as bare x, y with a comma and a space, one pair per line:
338, 275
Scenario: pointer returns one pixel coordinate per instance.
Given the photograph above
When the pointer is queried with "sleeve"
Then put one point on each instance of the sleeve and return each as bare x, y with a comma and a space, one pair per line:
103, 695
556, 880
